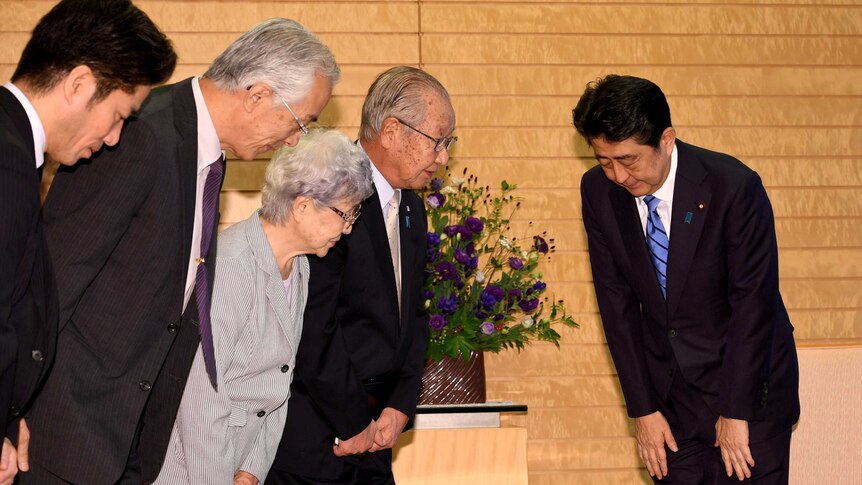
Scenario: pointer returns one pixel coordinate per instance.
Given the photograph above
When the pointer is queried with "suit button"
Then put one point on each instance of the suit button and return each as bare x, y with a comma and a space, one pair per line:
37, 355
145, 385
261, 413
672, 333
172, 328
285, 368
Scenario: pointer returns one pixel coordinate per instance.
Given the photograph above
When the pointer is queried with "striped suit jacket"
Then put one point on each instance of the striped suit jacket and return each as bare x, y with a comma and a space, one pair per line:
256, 331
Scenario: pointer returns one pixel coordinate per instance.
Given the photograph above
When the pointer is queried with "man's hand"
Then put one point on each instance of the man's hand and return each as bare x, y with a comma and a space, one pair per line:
389, 426
23, 446
732, 436
360, 443
652, 433
243, 477
8, 463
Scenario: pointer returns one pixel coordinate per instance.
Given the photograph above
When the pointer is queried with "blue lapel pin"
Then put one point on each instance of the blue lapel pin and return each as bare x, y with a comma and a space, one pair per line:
688, 216
407, 217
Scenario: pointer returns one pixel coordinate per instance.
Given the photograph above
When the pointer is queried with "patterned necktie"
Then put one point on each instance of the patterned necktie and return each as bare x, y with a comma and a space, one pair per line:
392, 234
657, 242
209, 209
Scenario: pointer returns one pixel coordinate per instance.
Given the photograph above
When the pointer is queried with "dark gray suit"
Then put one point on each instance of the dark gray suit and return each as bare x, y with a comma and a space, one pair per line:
120, 227
28, 320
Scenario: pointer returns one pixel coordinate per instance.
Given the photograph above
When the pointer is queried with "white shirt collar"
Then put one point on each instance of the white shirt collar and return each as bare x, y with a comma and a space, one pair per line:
39, 139
209, 146
384, 190
665, 192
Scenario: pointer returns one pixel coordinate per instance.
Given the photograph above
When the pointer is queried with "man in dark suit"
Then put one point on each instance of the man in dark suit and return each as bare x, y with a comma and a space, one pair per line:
69, 95
133, 235
685, 264
359, 364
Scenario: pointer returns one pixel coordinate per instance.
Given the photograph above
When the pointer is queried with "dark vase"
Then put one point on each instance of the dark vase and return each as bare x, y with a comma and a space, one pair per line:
454, 381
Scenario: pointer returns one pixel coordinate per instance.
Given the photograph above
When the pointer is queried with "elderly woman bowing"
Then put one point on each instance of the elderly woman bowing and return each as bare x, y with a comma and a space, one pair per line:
311, 197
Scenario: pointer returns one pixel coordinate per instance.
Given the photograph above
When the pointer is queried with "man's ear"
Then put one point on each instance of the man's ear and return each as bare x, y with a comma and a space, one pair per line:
390, 131
668, 138
79, 86
257, 95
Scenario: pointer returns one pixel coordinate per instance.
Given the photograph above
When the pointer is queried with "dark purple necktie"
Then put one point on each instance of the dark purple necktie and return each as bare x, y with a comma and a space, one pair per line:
209, 210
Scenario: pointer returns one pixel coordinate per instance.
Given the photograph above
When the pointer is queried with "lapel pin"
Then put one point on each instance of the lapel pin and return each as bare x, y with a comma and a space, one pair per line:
700, 206
688, 216
407, 217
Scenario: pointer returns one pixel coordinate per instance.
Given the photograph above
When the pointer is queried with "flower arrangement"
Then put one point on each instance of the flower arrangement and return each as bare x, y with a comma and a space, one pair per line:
483, 290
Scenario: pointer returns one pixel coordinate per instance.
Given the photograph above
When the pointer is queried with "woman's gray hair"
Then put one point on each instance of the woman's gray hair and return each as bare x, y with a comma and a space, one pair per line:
280, 53
324, 166
398, 92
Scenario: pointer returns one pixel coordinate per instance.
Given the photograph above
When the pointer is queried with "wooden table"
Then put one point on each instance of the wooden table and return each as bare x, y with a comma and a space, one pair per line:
462, 445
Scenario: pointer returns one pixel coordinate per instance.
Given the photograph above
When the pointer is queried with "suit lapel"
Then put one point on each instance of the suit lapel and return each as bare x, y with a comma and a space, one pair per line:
632, 234
186, 124
406, 236
691, 203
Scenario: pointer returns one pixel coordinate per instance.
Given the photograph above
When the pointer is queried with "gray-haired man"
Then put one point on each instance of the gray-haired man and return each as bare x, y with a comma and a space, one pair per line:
137, 230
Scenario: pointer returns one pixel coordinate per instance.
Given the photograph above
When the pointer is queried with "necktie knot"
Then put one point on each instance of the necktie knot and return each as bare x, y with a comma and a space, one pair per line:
652, 202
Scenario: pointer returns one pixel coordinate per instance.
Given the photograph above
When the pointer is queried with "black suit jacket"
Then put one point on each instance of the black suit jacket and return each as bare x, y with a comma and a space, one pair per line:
28, 320
723, 325
355, 358
120, 227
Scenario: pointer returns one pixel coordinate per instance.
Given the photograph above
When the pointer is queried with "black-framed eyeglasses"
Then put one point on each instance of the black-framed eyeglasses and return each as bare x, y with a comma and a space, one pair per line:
439, 143
298, 122
352, 216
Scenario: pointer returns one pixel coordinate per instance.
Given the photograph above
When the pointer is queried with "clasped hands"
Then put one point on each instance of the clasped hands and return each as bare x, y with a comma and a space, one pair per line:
378, 435
731, 435
12, 459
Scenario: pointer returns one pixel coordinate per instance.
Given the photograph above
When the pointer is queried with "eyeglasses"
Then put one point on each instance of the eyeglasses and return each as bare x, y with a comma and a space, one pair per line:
298, 122
352, 216
439, 143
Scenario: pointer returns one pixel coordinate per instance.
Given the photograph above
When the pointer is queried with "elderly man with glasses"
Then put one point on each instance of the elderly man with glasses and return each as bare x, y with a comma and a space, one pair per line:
133, 234
359, 367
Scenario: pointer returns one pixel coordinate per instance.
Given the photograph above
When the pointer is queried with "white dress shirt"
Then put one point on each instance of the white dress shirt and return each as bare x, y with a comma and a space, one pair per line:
39, 139
665, 195
209, 149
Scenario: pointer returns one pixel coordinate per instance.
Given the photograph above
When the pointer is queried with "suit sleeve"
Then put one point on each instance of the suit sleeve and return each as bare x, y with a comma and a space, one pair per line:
406, 392
18, 208
205, 416
323, 359
752, 261
621, 316
105, 192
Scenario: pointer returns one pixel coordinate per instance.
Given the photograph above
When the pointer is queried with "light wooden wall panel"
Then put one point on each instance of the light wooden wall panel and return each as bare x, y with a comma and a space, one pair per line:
773, 82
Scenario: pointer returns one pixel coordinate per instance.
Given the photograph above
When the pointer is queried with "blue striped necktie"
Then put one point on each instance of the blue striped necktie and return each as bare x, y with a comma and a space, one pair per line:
657, 242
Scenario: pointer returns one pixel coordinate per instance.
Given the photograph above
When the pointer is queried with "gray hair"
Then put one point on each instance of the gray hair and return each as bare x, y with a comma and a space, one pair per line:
324, 166
397, 93
280, 53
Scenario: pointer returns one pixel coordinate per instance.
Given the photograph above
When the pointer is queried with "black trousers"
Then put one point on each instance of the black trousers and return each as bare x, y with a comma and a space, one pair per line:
365, 469
698, 462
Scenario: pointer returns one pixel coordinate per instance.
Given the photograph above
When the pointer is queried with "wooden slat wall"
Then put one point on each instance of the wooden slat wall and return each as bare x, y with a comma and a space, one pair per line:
774, 82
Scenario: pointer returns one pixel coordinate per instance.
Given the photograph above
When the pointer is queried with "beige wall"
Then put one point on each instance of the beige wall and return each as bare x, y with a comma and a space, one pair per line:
775, 83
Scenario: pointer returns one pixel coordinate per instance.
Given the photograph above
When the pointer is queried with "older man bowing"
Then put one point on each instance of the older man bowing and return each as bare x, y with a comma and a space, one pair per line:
135, 274
359, 367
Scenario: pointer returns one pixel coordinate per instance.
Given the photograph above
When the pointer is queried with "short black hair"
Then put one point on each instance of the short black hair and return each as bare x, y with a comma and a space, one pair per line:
617, 108
114, 38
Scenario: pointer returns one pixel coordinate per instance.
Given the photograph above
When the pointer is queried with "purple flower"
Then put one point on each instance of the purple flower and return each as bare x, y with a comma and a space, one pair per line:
458, 283
528, 306
494, 291
480, 314
436, 184
499, 317
436, 200
540, 244
474, 224
433, 255
433, 239
447, 304
428, 294
473, 263
539, 285
437, 322
446, 270
465, 233
487, 328
461, 256
516, 263
514, 294
487, 300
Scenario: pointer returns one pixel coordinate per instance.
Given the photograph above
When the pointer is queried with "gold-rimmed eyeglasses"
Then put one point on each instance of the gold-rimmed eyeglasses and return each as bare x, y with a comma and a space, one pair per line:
439, 143
351, 217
